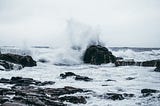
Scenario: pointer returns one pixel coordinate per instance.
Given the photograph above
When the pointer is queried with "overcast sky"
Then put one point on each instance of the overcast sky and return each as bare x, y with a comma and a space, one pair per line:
43, 22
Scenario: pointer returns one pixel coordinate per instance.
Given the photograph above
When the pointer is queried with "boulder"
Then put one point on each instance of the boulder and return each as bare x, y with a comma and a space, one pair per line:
97, 54
116, 96
73, 99
76, 77
147, 92
25, 61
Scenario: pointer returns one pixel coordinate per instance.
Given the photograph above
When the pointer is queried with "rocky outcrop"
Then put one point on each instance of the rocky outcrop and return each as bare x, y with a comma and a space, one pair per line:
96, 54
76, 77
27, 92
25, 61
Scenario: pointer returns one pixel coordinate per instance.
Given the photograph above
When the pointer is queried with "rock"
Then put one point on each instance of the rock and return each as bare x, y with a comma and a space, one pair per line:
147, 92
131, 62
130, 78
25, 61
4, 99
77, 77
126, 62
67, 74
151, 63
96, 54
83, 78
19, 81
62, 91
157, 69
73, 99
43, 61
116, 96
7, 66
22, 94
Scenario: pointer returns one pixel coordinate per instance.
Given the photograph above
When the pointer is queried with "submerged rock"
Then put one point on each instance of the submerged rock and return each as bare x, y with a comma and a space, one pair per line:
25, 61
73, 99
147, 92
96, 54
77, 77
116, 96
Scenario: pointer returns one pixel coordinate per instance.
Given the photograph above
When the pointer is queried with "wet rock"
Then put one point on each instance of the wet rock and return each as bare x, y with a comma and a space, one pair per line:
83, 78
96, 54
19, 81
63, 91
25, 61
151, 63
43, 60
157, 67
116, 96
127, 62
67, 74
131, 62
4, 99
73, 99
7, 66
130, 78
77, 77
109, 80
147, 92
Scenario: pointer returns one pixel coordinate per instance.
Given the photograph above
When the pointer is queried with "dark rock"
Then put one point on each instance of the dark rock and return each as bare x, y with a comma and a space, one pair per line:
25, 61
151, 63
115, 96
128, 62
63, 91
46, 83
19, 81
35, 96
83, 78
147, 92
157, 69
67, 74
74, 99
4, 99
77, 77
96, 54
130, 78
131, 62
110, 80
43, 61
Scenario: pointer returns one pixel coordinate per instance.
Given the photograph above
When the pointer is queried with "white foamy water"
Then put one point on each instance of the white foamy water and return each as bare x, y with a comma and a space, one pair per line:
62, 60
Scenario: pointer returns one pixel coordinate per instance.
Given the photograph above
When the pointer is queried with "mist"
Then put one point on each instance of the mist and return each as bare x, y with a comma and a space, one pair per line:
129, 23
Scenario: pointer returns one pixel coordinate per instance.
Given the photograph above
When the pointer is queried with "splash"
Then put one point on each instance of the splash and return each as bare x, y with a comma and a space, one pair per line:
81, 35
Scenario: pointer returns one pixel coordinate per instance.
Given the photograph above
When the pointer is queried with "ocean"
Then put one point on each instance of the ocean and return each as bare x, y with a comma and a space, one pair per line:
106, 77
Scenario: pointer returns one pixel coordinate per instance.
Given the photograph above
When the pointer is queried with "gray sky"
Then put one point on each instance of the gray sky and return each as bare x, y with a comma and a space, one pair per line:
43, 22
